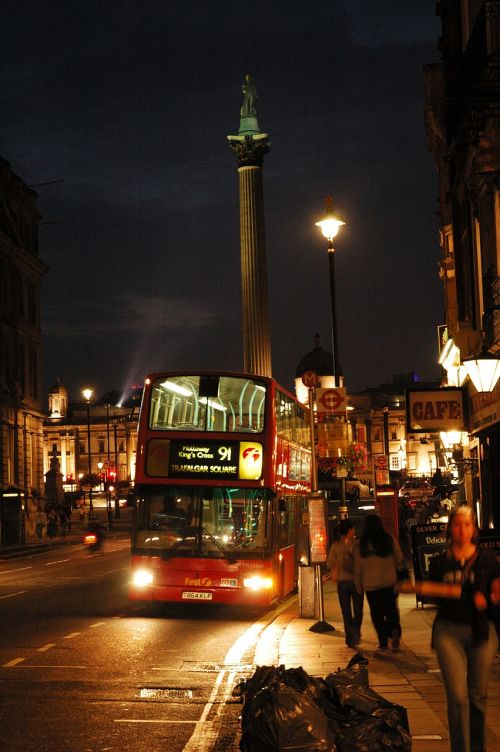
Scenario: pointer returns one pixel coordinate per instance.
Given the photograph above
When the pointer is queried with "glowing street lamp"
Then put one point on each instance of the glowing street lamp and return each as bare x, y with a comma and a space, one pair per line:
87, 393
330, 227
483, 370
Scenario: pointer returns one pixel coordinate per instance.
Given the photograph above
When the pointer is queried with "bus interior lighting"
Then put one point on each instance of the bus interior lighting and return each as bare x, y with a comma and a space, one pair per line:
258, 583
214, 405
176, 388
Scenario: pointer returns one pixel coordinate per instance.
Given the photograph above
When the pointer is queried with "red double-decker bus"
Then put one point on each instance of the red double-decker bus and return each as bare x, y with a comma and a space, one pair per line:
222, 475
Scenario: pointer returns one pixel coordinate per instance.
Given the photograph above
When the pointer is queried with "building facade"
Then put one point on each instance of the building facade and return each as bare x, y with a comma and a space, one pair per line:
98, 437
463, 129
21, 414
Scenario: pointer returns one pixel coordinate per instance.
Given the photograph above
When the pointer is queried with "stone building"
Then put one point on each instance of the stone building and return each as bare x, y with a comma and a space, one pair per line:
111, 424
462, 114
21, 414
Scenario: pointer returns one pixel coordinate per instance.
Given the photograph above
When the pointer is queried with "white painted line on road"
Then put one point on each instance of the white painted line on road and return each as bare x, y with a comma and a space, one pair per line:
32, 666
119, 569
13, 663
11, 595
21, 569
242, 644
46, 647
69, 636
97, 624
139, 720
59, 561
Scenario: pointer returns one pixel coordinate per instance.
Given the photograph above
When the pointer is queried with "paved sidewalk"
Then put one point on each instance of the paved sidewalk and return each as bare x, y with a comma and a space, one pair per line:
409, 677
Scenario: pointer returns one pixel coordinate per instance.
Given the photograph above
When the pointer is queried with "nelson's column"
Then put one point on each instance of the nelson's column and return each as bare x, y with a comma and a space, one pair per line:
250, 145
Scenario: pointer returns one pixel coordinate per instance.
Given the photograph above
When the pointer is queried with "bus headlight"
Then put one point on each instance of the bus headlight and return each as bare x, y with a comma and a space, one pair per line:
142, 578
257, 582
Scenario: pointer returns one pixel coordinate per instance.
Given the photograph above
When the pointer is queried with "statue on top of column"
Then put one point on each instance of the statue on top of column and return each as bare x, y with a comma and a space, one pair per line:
250, 95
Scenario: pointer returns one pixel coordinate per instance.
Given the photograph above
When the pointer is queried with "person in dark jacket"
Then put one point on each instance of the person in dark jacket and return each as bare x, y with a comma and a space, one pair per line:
464, 581
376, 564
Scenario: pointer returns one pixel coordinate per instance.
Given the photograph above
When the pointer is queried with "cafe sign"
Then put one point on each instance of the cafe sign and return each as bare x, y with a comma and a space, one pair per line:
432, 410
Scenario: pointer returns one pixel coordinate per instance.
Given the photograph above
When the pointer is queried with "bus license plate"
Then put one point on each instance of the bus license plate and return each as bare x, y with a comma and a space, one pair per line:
186, 596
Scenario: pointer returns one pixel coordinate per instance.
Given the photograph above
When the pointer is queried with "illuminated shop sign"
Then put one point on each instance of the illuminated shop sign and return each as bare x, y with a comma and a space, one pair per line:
234, 460
430, 410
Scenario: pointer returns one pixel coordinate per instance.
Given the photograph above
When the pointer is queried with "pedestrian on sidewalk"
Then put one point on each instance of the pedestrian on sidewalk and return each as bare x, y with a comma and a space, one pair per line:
52, 524
464, 580
40, 522
341, 564
63, 522
376, 564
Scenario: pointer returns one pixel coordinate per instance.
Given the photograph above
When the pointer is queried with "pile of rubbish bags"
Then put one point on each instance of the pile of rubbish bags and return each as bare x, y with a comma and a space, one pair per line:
286, 709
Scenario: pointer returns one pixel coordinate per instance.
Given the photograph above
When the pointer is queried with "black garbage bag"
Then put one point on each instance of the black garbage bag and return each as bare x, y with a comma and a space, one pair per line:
279, 718
372, 723
286, 709
356, 672
317, 690
372, 734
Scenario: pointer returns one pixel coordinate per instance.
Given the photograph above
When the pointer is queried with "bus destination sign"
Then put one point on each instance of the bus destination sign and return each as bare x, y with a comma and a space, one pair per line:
234, 460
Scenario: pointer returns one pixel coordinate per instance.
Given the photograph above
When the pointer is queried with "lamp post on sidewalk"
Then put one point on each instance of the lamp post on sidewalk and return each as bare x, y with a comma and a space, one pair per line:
330, 227
87, 393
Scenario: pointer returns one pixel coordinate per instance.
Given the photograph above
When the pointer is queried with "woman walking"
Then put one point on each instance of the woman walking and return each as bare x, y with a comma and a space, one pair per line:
341, 564
465, 582
376, 566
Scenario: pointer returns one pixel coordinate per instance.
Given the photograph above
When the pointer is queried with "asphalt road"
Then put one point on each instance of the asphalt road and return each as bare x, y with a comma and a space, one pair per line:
83, 671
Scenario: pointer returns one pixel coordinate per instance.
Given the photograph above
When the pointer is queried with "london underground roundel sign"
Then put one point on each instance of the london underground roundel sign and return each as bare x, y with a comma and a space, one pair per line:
331, 401
310, 379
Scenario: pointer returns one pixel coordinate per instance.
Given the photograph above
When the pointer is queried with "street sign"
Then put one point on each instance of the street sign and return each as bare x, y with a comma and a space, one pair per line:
381, 462
331, 401
310, 379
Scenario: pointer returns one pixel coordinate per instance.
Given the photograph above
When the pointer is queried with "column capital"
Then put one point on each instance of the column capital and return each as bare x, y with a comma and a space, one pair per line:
250, 149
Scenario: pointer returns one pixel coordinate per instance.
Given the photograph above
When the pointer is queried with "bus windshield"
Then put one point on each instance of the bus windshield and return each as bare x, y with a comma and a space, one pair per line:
206, 522
207, 403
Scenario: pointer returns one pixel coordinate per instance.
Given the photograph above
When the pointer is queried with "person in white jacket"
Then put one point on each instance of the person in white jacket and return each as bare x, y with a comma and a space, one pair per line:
376, 565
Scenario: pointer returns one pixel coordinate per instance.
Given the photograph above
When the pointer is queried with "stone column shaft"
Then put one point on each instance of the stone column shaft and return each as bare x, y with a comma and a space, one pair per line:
255, 301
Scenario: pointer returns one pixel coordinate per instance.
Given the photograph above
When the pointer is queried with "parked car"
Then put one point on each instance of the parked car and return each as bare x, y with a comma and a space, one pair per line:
355, 489
415, 489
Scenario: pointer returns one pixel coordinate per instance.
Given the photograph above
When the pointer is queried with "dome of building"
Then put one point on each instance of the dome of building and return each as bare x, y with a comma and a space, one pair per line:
58, 388
58, 402
318, 360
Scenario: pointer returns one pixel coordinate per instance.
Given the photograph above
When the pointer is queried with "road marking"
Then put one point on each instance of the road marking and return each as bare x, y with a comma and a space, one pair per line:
21, 569
33, 666
97, 624
46, 647
13, 663
11, 595
59, 561
139, 720
206, 733
69, 636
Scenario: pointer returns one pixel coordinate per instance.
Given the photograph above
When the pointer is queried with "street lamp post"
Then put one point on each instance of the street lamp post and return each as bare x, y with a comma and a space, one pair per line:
87, 393
117, 499
330, 226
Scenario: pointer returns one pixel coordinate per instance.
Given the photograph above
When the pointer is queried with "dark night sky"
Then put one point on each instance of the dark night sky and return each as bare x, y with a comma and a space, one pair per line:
129, 103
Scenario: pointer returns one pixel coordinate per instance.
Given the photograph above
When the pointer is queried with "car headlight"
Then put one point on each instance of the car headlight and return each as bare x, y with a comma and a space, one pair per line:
142, 578
257, 582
